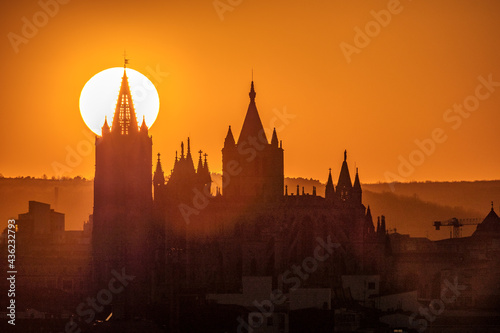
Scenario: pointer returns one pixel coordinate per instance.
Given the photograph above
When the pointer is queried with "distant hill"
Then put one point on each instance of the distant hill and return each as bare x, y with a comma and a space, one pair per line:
73, 197
411, 208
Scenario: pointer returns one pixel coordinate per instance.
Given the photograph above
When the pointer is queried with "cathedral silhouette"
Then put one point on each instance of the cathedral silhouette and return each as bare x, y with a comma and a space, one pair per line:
186, 241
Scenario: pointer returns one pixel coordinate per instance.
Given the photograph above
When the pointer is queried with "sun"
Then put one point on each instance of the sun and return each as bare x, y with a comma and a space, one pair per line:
99, 96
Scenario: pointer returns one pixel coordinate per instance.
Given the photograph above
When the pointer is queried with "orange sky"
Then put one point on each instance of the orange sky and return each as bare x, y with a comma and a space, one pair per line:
395, 90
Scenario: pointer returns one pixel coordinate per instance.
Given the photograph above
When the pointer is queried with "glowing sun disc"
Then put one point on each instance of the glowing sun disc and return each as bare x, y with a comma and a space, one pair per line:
99, 96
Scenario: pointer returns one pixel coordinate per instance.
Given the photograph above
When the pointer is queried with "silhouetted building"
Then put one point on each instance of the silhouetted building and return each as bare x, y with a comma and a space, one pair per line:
252, 166
188, 242
254, 226
51, 263
123, 204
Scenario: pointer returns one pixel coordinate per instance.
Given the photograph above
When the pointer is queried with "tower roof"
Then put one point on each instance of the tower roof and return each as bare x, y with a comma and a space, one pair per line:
199, 170
159, 176
329, 181
124, 119
329, 189
206, 171
252, 125
274, 139
344, 177
369, 214
105, 127
229, 141
144, 127
357, 184
490, 225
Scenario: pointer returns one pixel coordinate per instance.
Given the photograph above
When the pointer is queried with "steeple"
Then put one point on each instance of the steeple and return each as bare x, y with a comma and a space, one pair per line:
105, 127
274, 139
124, 119
159, 176
344, 185
356, 189
357, 185
369, 214
252, 125
369, 221
252, 92
329, 190
144, 127
229, 141
200, 163
206, 172
189, 158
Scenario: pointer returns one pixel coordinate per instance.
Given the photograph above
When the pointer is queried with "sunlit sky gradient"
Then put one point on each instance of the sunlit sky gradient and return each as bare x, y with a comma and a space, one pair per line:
394, 91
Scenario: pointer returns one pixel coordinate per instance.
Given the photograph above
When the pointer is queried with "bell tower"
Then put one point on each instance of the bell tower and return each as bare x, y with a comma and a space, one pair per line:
252, 167
122, 204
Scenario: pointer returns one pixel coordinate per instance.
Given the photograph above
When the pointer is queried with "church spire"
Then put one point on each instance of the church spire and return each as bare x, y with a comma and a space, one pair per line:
124, 119
329, 190
344, 185
274, 139
200, 163
229, 141
252, 125
252, 93
356, 190
206, 171
159, 176
144, 127
105, 127
344, 177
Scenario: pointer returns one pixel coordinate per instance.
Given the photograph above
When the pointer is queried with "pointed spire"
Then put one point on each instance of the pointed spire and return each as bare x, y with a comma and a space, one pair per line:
189, 158
252, 125
124, 119
144, 127
329, 189
229, 141
344, 177
182, 150
159, 176
369, 214
274, 140
252, 92
200, 163
206, 171
105, 127
357, 184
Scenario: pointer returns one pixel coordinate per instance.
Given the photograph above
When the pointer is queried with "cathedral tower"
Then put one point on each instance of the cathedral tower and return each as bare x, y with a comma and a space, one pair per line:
122, 203
252, 167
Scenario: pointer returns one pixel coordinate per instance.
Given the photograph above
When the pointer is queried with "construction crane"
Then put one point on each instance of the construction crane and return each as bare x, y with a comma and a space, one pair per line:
456, 224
